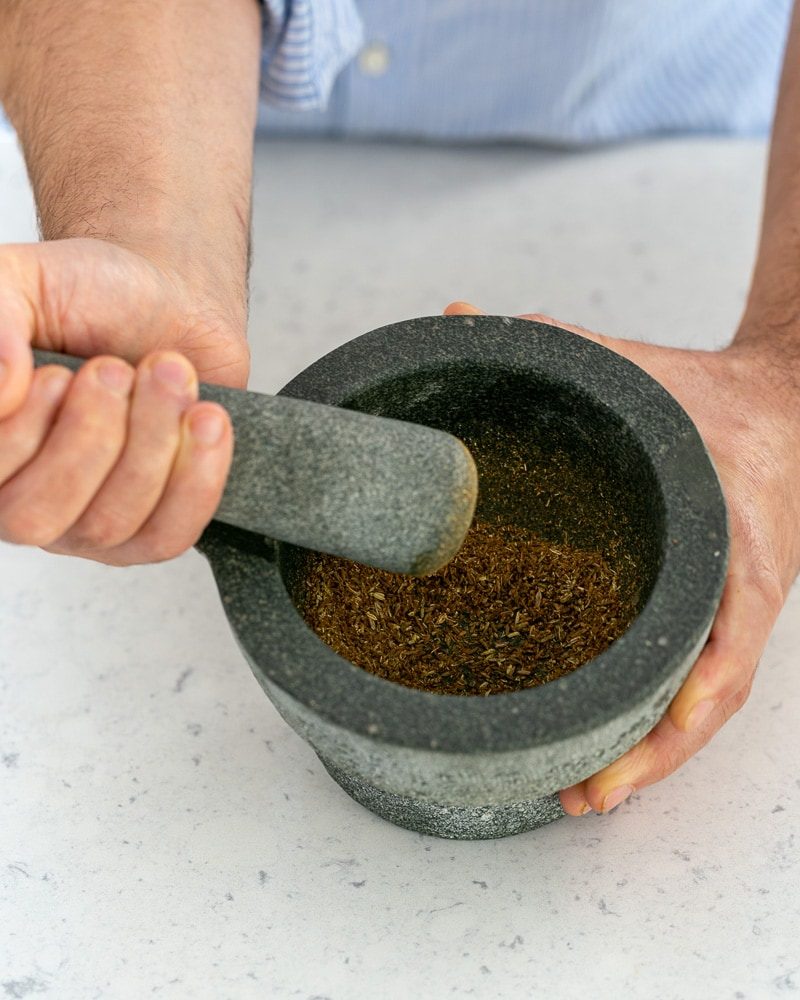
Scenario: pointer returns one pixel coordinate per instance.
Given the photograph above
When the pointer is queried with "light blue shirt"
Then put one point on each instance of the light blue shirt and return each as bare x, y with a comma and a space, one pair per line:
548, 71
552, 71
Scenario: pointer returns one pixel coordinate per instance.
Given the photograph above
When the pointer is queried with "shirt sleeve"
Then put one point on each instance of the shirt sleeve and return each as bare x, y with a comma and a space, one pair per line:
306, 45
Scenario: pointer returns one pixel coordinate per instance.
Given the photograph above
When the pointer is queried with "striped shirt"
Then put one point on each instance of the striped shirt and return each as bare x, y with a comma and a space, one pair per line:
551, 71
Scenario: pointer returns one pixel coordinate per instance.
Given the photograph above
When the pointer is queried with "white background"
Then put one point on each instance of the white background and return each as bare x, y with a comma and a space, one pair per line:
162, 832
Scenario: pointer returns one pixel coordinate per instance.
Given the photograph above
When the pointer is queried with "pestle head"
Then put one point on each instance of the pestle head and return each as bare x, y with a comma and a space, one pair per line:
384, 492
417, 498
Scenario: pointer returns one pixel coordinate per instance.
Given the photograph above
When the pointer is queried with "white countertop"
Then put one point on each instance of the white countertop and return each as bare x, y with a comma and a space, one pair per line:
163, 832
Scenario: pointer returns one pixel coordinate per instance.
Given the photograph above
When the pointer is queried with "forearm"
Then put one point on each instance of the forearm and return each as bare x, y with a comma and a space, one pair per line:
137, 122
772, 315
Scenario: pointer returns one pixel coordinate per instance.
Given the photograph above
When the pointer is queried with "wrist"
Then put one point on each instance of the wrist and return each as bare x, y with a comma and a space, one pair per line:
766, 353
114, 106
202, 294
771, 332
202, 246
206, 279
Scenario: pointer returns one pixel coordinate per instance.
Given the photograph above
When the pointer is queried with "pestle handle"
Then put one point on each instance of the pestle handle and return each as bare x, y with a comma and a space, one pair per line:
384, 492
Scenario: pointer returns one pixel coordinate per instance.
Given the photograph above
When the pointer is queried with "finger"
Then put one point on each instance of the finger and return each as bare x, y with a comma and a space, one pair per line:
193, 492
716, 687
460, 308
658, 754
16, 360
581, 331
166, 385
50, 493
573, 799
23, 433
746, 615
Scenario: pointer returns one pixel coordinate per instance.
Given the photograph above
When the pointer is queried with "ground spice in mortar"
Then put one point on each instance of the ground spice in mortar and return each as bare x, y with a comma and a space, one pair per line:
511, 611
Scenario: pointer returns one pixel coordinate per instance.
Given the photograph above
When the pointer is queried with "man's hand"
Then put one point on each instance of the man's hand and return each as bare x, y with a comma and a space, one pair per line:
747, 409
119, 462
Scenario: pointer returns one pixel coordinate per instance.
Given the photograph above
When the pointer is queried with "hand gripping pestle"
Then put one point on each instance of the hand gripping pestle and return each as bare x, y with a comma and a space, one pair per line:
383, 492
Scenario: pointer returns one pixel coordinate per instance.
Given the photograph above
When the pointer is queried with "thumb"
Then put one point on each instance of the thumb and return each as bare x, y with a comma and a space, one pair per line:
581, 331
16, 327
460, 308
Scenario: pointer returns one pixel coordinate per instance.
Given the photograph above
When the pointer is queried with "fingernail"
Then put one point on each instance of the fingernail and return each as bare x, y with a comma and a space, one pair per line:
613, 799
699, 714
115, 376
585, 808
473, 310
207, 427
172, 373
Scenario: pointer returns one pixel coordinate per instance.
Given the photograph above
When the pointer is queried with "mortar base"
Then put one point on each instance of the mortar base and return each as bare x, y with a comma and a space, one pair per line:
451, 821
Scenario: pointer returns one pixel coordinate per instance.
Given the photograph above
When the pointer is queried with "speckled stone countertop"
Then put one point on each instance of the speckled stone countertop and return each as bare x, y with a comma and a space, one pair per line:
163, 832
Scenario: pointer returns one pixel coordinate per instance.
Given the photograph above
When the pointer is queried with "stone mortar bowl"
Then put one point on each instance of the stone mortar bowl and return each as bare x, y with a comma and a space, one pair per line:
479, 767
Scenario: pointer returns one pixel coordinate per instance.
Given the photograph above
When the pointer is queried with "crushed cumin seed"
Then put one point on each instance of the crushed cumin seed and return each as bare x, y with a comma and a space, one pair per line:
511, 611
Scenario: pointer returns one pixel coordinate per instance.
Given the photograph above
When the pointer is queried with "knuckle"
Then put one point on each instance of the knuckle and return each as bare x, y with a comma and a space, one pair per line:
17, 437
740, 677
113, 557
668, 753
668, 759
635, 767
769, 586
161, 545
100, 530
22, 524
761, 567
720, 674
737, 700
162, 550
94, 429
203, 476
45, 371
638, 759
54, 381
728, 677
665, 754
208, 500
167, 535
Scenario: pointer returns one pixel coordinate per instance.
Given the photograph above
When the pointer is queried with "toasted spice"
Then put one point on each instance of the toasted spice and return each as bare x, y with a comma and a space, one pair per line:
510, 611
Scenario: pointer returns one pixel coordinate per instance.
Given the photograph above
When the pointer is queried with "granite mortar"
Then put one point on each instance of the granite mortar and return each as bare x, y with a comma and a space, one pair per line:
472, 768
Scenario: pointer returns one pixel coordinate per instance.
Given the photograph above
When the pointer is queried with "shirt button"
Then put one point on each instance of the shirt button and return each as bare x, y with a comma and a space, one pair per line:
373, 59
